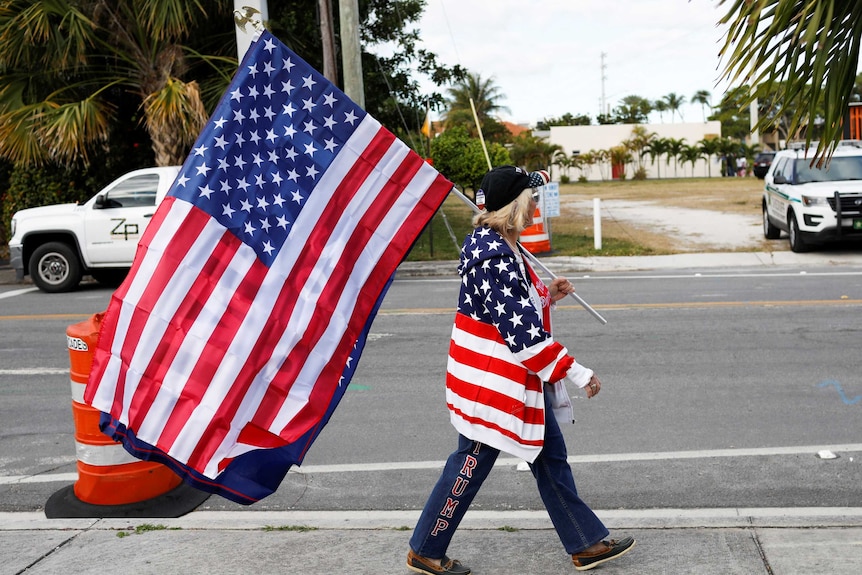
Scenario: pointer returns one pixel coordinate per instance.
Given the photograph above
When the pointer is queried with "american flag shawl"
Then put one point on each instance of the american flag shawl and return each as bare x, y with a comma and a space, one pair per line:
237, 331
501, 350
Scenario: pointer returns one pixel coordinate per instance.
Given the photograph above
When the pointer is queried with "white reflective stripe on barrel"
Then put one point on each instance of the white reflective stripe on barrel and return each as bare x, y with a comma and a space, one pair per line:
78, 391
111, 454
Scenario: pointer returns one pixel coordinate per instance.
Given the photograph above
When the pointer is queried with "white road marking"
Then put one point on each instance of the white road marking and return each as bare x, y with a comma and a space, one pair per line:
36, 371
15, 292
509, 461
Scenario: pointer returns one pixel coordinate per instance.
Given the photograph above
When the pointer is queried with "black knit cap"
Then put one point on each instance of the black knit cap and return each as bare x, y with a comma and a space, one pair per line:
503, 184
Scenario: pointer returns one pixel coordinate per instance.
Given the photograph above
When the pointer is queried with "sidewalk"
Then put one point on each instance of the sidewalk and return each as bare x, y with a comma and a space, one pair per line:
729, 260
570, 265
684, 542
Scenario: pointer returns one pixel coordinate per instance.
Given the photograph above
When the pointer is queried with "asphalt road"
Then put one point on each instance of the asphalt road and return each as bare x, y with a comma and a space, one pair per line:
720, 387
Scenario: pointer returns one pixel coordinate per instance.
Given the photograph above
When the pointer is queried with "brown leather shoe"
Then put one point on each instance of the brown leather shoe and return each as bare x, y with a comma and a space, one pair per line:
424, 565
611, 550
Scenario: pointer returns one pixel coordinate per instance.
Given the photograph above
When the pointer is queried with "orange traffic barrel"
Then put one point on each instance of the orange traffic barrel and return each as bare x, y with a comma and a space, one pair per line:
111, 482
535, 239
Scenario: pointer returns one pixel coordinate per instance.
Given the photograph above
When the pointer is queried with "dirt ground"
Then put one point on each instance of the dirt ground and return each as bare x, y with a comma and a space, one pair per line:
671, 216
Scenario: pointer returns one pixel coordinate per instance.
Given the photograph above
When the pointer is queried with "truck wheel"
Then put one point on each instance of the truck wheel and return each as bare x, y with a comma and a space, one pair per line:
770, 232
55, 267
797, 240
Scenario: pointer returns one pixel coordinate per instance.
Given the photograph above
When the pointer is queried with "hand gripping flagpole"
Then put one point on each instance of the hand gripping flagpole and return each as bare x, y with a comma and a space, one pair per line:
535, 260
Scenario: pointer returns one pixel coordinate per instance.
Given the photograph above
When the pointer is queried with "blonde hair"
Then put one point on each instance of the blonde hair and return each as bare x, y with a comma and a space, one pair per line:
513, 217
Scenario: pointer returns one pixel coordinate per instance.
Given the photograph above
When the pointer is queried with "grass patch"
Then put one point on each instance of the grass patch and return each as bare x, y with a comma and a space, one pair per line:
508, 529
298, 528
143, 528
572, 232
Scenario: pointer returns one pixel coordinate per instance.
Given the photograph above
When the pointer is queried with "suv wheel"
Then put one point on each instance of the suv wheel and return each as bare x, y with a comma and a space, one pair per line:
55, 267
797, 240
769, 231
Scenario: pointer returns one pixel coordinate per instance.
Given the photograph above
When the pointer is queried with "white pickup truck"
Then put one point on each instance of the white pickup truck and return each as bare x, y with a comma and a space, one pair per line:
57, 245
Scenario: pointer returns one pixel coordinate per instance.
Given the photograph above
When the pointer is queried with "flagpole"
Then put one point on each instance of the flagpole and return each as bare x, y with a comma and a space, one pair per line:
536, 261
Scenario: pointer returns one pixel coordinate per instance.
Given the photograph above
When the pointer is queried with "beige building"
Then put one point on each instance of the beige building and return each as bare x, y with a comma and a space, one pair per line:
584, 139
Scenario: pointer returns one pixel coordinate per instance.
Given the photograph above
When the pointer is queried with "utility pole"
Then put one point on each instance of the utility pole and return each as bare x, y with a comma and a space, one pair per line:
603, 102
351, 52
244, 37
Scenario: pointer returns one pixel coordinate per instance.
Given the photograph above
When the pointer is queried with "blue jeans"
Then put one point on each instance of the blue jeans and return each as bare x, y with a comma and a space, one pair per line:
466, 469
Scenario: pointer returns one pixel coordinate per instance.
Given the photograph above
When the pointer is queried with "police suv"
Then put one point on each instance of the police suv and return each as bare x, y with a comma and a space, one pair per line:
814, 203
58, 244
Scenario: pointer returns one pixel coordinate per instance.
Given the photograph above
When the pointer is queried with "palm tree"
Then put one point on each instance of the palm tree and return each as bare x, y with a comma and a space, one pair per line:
674, 150
633, 110
702, 97
533, 153
66, 67
660, 106
586, 161
656, 149
690, 154
813, 47
674, 102
710, 147
638, 144
484, 95
564, 162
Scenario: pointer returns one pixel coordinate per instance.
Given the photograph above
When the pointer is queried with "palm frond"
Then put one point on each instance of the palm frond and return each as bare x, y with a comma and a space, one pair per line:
808, 50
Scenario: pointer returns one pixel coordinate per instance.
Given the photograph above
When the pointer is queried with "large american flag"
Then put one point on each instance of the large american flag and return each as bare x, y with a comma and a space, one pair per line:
242, 320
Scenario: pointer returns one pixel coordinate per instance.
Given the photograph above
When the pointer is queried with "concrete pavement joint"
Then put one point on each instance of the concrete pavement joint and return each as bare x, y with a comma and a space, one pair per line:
755, 518
760, 551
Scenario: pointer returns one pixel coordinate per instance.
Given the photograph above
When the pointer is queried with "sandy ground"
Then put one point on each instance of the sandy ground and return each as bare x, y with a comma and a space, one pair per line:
691, 229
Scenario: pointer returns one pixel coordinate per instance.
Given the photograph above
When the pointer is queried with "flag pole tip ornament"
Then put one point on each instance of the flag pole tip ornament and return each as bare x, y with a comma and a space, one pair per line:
248, 305
248, 15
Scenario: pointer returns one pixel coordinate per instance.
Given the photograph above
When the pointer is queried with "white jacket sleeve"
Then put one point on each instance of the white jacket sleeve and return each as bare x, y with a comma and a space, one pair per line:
579, 375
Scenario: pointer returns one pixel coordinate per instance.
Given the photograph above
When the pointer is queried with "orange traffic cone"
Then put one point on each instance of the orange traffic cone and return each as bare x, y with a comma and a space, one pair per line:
534, 238
111, 482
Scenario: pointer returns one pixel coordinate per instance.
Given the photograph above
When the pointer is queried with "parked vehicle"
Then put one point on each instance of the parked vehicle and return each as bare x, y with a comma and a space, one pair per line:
56, 245
813, 203
762, 163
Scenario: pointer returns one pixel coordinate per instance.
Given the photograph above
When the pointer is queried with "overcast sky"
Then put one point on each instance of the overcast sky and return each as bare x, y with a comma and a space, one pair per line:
546, 55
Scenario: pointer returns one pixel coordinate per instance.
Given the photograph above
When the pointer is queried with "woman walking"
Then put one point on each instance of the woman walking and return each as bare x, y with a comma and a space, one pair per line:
505, 385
